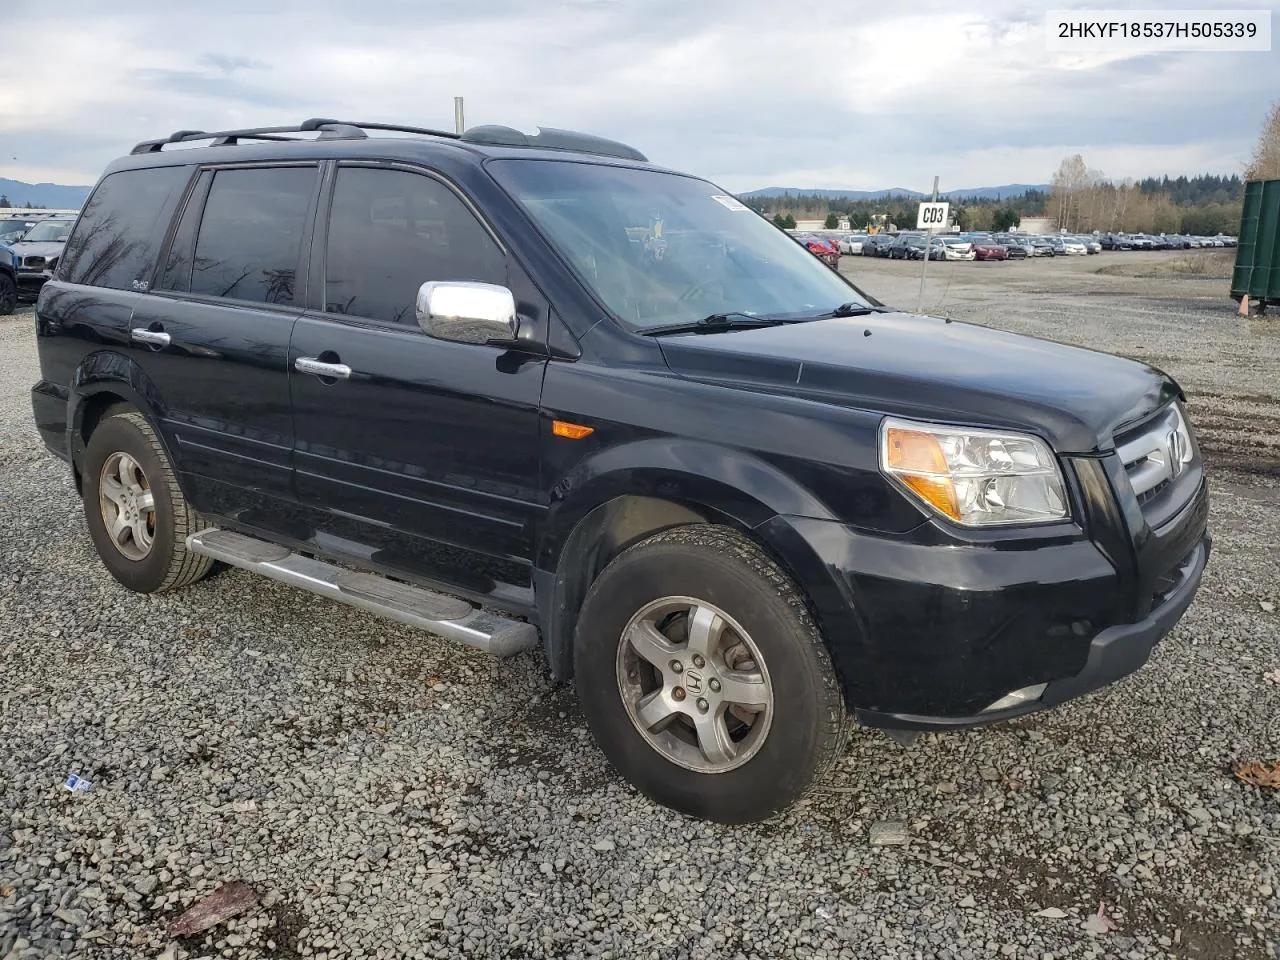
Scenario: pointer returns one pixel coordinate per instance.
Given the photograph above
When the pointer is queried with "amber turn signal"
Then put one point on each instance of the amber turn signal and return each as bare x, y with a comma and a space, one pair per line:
570, 431
916, 458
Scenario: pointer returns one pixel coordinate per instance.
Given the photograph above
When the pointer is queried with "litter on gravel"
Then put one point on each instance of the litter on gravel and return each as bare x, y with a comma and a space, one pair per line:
227, 901
1260, 774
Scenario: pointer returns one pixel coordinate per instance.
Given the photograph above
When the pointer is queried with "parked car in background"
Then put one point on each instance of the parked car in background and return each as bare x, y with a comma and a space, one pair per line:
39, 250
877, 245
1016, 247
1040, 247
1138, 241
12, 228
852, 243
1091, 244
986, 247
8, 280
955, 248
828, 251
908, 246
1114, 241
1073, 246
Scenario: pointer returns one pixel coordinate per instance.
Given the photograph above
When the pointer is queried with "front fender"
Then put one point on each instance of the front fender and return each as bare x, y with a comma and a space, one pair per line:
728, 484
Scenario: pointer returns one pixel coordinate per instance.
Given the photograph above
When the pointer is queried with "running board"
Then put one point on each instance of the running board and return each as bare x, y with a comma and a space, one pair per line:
445, 616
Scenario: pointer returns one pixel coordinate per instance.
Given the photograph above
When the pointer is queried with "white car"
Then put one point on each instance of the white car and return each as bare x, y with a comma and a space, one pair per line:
956, 249
1074, 247
852, 244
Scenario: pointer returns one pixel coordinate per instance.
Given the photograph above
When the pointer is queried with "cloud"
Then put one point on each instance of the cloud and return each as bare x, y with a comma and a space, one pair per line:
749, 93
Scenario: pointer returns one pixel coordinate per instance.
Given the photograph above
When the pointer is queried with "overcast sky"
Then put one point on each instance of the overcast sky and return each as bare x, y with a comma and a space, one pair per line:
749, 93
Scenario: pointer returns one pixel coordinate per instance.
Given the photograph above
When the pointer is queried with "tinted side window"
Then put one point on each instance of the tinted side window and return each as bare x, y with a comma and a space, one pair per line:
122, 227
177, 265
390, 231
251, 233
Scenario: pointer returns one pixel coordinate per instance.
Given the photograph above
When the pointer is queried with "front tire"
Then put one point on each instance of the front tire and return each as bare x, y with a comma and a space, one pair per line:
137, 516
705, 679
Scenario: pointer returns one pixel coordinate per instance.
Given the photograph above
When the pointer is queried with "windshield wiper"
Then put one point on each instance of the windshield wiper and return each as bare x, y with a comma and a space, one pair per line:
715, 323
854, 309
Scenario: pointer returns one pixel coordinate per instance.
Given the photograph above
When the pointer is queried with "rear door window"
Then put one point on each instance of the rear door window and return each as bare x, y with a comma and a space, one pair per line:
390, 231
120, 230
250, 237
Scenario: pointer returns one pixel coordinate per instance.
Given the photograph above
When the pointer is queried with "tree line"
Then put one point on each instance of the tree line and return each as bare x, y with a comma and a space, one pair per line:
1080, 198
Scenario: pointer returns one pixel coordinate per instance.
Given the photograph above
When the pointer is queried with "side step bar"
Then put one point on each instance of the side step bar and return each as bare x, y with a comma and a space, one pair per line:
445, 616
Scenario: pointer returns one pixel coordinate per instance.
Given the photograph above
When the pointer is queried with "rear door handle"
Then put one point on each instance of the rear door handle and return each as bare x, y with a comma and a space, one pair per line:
157, 338
318, 368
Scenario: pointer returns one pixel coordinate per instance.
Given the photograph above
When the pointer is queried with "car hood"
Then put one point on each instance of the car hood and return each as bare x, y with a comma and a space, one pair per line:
46, 248
925, 367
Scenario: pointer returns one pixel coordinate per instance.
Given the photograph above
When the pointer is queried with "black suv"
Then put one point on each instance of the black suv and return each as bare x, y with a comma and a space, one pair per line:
509, 387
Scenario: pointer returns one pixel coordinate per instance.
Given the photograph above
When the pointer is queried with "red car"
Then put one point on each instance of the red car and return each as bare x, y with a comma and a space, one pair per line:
826, 250
988, 249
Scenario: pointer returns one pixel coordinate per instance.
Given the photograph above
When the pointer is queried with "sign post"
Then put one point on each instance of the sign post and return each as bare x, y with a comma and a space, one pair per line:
930, 216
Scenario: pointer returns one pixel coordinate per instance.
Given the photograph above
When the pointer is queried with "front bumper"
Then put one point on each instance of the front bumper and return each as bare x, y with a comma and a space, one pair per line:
32, 280
931, 628
1113, 654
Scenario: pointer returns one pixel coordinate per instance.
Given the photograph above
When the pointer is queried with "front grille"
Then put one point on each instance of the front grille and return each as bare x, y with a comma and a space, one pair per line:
1174, 578
1155, 455
33, 263
1159, 488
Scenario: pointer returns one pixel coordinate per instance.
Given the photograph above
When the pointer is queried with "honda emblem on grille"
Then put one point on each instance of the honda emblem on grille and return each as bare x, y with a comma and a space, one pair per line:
1176, 444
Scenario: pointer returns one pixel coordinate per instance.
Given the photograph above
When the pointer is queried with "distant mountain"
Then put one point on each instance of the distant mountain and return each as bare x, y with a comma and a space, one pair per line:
50, 196
982, 193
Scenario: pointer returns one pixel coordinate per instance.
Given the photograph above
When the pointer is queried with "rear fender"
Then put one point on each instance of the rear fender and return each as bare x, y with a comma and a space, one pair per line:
103, 379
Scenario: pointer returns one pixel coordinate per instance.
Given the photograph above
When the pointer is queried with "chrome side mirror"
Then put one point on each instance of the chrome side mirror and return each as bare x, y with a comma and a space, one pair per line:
466, 311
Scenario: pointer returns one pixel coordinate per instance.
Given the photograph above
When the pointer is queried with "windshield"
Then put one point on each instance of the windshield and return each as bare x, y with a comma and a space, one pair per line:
48, 231
661, 248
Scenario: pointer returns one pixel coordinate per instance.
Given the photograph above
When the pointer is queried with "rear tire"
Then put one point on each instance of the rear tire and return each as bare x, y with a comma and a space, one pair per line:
735, 736
137, 516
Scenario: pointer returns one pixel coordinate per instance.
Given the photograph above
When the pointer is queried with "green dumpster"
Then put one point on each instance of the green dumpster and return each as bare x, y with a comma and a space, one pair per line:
1257, 271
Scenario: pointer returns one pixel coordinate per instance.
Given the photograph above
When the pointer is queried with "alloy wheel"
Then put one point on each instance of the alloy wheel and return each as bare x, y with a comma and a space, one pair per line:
128, 506
694, 684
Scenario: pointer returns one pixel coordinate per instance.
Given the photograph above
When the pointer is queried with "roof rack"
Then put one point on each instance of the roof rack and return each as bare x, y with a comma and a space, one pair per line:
546, 138
328, 130
549, 138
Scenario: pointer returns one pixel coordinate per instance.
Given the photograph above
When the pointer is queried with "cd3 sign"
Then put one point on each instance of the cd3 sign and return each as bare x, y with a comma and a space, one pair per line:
933, 216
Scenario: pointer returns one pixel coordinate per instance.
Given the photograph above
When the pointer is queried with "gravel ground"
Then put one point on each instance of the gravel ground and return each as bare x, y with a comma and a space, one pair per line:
387, 794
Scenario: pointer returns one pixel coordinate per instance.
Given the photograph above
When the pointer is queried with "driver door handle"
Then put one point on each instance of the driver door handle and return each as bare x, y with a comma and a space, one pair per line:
157, 338
318, 368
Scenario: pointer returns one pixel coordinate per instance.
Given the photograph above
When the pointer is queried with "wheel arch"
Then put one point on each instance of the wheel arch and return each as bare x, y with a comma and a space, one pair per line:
621, 498
103, 380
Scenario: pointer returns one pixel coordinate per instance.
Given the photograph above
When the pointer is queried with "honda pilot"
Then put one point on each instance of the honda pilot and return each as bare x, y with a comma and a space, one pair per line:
535, 391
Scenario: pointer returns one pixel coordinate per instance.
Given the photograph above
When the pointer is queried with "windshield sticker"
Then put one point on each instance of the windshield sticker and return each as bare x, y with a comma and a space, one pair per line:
733, 203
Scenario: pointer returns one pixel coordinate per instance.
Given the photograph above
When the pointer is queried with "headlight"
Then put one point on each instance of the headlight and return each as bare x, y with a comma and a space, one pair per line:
977, 478
1182, 449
